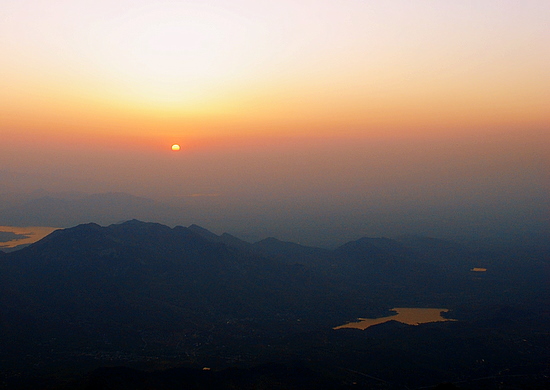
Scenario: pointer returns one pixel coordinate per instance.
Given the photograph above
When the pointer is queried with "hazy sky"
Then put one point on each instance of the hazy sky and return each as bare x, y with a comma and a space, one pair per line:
377, 116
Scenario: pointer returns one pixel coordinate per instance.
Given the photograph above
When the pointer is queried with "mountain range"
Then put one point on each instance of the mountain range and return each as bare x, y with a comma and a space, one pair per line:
144, 289
66, 209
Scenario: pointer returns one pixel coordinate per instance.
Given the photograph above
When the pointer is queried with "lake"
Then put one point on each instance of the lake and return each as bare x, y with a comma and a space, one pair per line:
406, 315
12, 236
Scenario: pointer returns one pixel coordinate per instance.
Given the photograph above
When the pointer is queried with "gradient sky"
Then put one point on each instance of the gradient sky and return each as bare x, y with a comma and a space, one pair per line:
378, 117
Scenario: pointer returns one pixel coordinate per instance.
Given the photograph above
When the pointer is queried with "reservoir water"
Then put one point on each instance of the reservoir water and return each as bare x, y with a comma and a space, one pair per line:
12, 236
406, 315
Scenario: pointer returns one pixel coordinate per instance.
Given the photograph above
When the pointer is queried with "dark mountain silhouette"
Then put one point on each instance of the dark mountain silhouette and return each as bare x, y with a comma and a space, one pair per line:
434, 246
295, 253
383, 260
147, 295
134, 277
444, 253
204, 232
224, 238
374, 247
284, 251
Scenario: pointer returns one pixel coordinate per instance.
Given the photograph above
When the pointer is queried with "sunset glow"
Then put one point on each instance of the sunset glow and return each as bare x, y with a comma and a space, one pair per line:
334, 101
328, 67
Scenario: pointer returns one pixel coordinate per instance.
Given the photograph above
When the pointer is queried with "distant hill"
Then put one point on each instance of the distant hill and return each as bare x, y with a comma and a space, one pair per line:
382, 260
225, 238
367, 246
64, 210
295, 253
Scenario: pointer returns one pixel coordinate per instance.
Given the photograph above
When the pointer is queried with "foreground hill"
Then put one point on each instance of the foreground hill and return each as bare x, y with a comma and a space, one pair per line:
114, 283
149, 296
136, 262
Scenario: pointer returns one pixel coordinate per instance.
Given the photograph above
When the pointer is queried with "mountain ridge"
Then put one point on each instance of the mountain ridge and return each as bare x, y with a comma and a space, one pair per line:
143, 293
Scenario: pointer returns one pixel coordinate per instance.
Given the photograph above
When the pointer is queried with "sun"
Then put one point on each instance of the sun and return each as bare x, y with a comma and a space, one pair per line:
176, 147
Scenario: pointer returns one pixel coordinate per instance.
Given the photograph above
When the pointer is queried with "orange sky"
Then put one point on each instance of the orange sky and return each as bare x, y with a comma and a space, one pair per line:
265, 97
183, 69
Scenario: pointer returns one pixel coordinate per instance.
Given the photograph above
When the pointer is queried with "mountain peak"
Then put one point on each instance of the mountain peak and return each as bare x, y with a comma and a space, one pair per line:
130, 222
203, 232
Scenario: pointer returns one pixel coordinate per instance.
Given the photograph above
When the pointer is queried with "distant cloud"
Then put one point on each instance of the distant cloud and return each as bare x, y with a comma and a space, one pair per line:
201, 195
